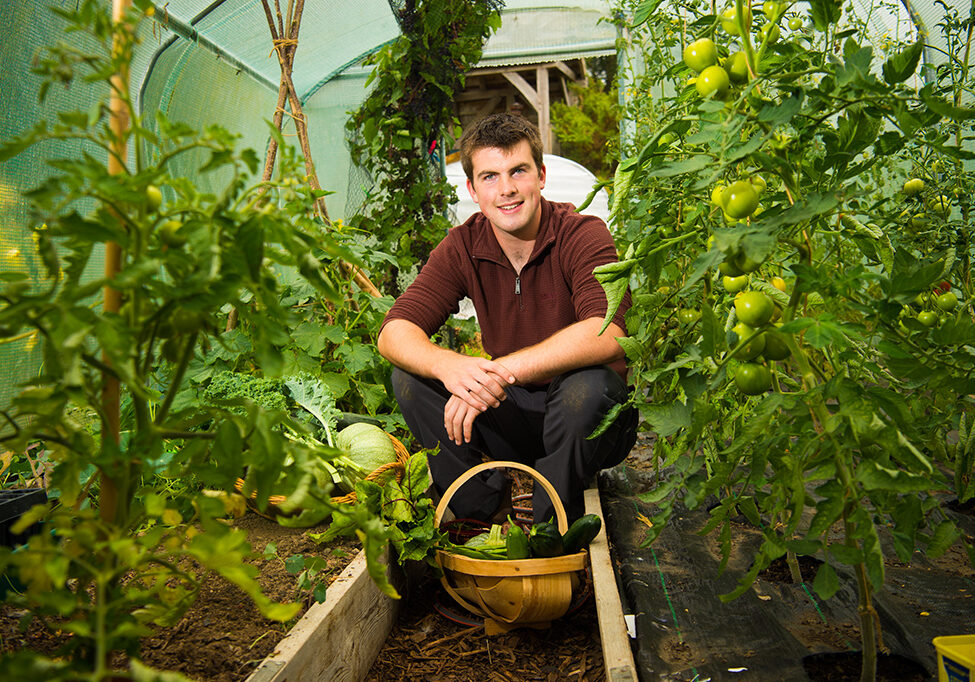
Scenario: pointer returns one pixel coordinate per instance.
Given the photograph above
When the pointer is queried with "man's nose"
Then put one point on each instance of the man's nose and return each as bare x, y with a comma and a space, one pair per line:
507, 185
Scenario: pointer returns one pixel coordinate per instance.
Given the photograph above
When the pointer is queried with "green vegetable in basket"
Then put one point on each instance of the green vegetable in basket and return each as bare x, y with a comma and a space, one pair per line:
367, 447
516, 542
581, 533
545, 540
491, 539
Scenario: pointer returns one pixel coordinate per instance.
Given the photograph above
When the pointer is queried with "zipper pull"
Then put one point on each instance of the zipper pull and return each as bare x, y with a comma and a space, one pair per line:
517, 285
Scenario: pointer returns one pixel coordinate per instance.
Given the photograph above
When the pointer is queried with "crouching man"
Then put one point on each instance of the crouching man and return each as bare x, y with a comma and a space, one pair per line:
527, 264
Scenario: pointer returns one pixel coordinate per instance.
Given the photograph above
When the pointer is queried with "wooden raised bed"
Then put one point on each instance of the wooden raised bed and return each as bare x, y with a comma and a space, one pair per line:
340, 638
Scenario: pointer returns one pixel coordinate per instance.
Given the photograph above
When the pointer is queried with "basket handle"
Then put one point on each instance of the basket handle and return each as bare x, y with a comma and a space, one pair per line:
560, 517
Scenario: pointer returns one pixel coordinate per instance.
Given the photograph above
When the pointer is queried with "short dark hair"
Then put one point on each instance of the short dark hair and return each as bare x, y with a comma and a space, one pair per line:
501, 131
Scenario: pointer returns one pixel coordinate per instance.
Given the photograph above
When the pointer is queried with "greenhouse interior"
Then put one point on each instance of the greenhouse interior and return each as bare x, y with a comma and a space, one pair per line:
487, 340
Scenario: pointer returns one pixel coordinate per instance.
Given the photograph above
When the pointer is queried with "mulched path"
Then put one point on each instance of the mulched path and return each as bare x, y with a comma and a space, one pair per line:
427, 645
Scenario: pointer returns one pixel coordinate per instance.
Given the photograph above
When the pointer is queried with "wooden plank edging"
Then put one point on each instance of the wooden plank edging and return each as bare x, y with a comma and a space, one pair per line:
337, 640
617, 654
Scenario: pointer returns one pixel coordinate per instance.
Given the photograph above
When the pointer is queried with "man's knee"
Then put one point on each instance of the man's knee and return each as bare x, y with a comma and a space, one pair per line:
587, 394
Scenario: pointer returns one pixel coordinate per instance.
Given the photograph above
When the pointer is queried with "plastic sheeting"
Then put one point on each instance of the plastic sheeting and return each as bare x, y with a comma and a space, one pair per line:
685, 632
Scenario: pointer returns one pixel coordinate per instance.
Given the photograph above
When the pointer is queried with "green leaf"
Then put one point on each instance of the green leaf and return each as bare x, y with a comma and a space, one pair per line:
666, 420
826, 582
614, 279
873, 476
417, 478
945, 108
143, 673
902, 65
825, 12
308, 335
944, 536
644, 11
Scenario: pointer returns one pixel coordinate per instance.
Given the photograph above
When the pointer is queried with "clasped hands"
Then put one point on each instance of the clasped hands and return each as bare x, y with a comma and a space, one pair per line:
475, 384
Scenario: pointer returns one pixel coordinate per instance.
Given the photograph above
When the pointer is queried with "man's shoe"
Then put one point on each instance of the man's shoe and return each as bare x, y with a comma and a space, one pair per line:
505, 506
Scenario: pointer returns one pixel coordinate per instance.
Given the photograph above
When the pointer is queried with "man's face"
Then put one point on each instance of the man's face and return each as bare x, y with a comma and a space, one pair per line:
508, 189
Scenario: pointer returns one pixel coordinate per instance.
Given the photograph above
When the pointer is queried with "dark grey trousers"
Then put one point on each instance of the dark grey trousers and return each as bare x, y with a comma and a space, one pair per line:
546, 428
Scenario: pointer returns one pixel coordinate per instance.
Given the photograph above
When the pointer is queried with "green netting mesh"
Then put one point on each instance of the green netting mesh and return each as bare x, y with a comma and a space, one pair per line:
33, 25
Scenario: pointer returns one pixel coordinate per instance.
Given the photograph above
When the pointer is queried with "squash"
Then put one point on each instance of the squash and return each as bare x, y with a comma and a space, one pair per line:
367, 445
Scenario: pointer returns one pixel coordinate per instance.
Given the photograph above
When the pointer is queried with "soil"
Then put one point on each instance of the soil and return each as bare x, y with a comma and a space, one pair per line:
434, 639
222, 637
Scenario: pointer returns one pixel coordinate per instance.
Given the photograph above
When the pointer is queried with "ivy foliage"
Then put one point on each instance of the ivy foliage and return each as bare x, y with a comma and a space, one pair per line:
395, 135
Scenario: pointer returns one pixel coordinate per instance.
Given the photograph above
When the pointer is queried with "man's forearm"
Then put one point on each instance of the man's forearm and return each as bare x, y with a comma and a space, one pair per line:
408, 347
578, 345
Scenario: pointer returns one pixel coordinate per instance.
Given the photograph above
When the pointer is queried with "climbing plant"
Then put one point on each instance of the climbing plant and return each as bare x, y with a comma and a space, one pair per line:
395, 136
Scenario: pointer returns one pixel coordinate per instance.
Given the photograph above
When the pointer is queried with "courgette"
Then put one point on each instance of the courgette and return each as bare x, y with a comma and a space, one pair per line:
582, 531
516, 542
545, 540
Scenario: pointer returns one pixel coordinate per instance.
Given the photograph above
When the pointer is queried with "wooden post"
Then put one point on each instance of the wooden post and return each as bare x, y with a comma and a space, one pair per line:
112, 299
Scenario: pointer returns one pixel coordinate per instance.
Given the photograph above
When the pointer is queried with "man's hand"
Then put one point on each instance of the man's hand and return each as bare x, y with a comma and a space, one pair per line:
458, 420
478, 382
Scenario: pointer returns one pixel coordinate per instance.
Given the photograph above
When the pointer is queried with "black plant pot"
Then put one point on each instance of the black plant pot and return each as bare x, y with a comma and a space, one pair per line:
13, 505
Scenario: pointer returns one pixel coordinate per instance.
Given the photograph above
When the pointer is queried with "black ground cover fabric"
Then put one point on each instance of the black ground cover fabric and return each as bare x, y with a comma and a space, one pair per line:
685, 632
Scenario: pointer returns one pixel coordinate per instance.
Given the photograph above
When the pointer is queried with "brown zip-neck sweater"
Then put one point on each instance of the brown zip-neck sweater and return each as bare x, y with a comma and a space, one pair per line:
555, 289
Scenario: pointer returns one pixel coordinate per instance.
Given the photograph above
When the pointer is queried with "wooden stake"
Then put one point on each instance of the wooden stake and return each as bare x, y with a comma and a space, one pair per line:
119, 123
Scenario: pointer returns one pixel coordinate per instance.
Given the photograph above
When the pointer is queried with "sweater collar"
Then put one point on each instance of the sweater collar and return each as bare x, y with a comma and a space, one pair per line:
486, 246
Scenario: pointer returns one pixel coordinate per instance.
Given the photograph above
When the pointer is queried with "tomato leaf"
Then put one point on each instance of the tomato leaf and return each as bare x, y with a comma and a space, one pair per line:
666, 420
644, 11
614, 278
945, 108
902, 65
825, 12
873, 476
826, 582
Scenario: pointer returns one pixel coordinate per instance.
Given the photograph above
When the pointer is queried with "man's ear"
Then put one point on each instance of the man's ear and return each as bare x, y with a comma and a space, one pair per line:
470, 190
541, 176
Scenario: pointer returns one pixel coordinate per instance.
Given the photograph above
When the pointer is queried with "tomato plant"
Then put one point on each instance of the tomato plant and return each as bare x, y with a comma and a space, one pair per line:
115, 409
861, 393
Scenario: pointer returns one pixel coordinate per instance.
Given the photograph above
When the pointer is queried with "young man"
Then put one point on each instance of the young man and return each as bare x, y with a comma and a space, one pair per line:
526, 263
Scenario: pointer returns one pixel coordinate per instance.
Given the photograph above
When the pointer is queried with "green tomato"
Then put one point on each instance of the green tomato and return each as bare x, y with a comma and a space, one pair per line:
701, 54
728, 21
746, 264
729, 268
779, 284
772, 10
754, 308
154, 197
913, 186
688, 316
737, 67
734, 284
752, 378
740, 199
170, 235
716, 194
940, 205
928, 318
795, 23
712, 80
758, 182
769, 33
753, 348
775, 346
947, 301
